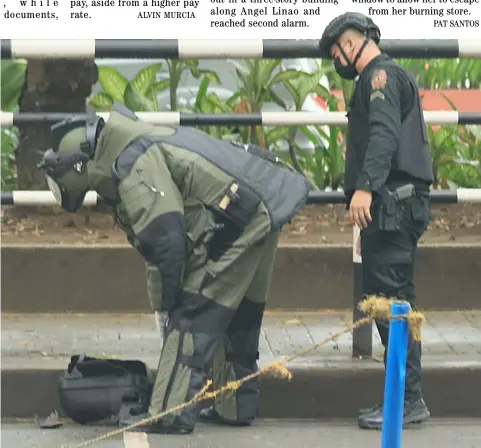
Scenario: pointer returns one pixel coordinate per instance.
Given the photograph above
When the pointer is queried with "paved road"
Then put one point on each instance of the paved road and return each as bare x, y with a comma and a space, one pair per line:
266, 433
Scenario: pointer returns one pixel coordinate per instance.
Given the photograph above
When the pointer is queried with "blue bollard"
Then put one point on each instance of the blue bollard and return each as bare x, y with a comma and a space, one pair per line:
392, 419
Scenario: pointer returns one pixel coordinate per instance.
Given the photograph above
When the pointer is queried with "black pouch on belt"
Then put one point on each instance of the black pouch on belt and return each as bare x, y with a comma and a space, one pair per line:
239, 204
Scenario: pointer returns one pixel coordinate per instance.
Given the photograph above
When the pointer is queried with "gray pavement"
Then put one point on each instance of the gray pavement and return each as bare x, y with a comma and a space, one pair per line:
265, 433
327, 383
48, 340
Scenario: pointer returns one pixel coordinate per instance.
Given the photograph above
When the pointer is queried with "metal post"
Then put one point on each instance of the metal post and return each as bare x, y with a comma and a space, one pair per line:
361, 336
392, 422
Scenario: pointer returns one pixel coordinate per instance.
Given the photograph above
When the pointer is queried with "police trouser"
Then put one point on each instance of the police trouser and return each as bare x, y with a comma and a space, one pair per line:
388, 259
217, 326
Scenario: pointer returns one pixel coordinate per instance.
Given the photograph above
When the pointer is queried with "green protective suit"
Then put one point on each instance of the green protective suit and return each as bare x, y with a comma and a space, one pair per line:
209, 265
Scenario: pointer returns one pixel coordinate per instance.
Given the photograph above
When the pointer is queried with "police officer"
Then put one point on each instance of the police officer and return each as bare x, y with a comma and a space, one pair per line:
387, 179
205, 214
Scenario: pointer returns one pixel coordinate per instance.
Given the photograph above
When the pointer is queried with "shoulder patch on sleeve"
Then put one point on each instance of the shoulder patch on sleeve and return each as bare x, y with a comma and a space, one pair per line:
378, 79
378, 83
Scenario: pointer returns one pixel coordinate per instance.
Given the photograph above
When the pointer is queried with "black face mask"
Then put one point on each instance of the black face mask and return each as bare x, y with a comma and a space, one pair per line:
345, 71
348, 71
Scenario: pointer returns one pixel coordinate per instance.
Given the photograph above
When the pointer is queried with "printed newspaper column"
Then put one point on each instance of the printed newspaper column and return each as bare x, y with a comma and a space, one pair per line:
229, 19
145, 9
39, 10
262, 14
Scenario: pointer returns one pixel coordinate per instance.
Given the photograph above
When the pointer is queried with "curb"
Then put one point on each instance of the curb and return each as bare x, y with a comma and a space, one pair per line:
450, 391
44, 279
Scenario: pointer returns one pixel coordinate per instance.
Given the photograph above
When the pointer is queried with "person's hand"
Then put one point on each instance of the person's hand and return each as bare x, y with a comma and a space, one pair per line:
344, 152
359, 209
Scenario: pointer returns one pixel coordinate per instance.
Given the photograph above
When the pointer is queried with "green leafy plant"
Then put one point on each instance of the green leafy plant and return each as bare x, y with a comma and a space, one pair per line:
327, 164
312, 165
455, 150
456, 153
12, 81
9, 143
210, 103
138, 94
176, 68
444, 73
466, 171
428, 73
257, 79
443, 144
300, 85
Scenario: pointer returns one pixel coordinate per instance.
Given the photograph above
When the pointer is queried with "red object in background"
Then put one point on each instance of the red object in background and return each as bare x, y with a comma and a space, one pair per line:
465, 100
321, 101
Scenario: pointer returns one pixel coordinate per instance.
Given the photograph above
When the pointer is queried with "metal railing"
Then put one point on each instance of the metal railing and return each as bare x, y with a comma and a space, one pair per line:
219, 49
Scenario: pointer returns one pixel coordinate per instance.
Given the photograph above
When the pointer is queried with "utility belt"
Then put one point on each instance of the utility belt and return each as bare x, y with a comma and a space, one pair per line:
390, 207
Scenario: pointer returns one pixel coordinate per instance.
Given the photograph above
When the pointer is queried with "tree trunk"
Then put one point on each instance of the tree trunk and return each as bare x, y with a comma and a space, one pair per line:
51, 86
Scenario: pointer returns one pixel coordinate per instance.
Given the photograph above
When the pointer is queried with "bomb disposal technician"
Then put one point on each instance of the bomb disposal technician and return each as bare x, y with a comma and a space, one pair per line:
387, 178
205, 214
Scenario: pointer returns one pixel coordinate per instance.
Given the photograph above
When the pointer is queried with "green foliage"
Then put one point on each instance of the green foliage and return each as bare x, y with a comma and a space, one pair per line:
176, 68
210, 103
327, 163
456, 150
456, 156
428, 73
468, 171
138, 94
12, 81
9, 142
257, 80
444, 73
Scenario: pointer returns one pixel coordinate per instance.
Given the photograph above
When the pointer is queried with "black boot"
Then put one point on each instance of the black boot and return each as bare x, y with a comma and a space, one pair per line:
413, 370
155, 427
370, 410
210, 415
415, 412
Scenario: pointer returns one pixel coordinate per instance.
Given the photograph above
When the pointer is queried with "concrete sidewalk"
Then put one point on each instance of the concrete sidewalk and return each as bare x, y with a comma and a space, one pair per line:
36, 350
50, 339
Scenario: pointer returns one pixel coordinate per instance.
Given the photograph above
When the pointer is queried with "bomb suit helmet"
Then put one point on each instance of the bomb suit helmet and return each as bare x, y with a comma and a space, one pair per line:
65, 164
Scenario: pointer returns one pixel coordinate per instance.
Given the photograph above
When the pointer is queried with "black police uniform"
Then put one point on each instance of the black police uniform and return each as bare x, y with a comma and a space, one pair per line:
387, 147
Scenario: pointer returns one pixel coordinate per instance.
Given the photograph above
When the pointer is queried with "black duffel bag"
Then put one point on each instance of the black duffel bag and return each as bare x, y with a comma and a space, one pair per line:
94, 390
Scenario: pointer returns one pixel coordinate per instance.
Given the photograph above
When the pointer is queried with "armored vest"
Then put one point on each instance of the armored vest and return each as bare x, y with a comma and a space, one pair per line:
411, 160
282, 191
